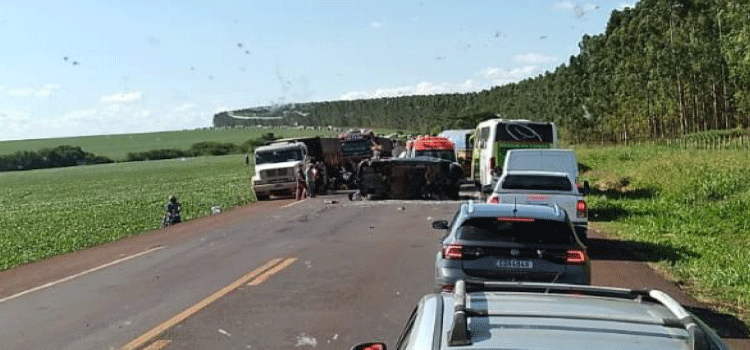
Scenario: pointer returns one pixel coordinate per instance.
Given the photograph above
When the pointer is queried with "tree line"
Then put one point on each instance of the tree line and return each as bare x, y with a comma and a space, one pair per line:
65, 155
662, 69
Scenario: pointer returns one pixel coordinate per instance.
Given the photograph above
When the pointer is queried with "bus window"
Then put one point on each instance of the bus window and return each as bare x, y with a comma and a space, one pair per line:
484, 135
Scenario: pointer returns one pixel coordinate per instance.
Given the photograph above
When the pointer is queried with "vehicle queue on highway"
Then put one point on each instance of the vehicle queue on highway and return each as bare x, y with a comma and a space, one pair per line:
513, 272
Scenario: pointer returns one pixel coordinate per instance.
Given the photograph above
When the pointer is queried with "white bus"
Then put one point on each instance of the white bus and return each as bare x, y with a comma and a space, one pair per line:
494, 137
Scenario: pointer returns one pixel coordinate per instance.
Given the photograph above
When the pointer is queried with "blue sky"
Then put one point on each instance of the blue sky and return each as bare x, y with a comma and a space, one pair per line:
73, 68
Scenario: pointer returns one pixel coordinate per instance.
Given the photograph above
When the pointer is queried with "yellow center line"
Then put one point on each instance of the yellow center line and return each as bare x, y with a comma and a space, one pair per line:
262, 278
154, 332
158, 345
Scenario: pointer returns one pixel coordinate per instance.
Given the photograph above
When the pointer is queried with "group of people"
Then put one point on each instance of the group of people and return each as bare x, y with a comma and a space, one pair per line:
310, 180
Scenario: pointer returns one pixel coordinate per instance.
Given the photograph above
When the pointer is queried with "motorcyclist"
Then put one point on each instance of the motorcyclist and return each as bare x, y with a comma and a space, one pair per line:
173, 210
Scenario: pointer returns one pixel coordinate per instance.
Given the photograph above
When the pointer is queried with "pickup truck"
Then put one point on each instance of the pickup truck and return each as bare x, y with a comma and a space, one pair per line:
544, 188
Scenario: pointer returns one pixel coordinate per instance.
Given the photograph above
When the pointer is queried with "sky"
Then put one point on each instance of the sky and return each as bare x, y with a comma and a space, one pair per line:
92, 67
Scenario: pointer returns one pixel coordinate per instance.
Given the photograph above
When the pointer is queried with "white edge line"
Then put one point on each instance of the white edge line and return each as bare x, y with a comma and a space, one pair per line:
50, 284
295, 203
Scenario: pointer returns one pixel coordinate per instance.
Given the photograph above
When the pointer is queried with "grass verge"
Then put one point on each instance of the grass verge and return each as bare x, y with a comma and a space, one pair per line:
694, 203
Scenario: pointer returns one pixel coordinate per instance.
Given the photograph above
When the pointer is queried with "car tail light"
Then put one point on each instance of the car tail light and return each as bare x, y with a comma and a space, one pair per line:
582, 210
576, 257
453, 252
494, 199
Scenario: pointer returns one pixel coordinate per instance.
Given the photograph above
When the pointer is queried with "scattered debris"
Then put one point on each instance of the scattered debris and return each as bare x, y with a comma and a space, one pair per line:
329, 201
216, 209
224, 332
402, 208
305, 340
372, 227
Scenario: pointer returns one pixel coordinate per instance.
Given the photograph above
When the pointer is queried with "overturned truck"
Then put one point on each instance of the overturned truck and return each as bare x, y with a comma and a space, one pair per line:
408, 178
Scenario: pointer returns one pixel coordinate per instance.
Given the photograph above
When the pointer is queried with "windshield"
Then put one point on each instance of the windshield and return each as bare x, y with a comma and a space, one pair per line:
442, 154
522, 131
356, 148
497, 230
536, 182
278, 156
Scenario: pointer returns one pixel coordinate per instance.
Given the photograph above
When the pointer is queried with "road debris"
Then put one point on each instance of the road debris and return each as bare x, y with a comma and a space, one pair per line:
305, 340
224, 332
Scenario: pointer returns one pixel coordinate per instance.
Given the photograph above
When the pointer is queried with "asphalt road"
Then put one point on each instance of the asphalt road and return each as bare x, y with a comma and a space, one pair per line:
274, 275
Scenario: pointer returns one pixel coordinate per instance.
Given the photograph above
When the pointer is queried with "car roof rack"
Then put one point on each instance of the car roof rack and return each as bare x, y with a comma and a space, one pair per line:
458, 334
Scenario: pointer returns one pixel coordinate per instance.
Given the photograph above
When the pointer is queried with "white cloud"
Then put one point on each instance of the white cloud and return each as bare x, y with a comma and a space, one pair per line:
45, 91
376, 24
422, 88
500, 76
535, 58
625, 5
80, 116
565, 5
185, 107
578, 10
132, 96
14, 116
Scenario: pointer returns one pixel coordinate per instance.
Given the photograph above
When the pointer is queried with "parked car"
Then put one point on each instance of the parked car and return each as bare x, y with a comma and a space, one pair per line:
544, 188
503, 315
510, 242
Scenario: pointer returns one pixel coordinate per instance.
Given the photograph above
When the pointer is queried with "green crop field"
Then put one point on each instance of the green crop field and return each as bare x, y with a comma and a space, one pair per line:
687, 211
117, 147
53, 211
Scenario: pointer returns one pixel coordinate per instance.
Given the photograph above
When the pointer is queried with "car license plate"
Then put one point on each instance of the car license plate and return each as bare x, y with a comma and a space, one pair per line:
515, 264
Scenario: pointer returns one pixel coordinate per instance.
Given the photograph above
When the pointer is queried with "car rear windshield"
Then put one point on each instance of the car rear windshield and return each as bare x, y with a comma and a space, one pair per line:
499, 230
356, 147
442, 154
536, 182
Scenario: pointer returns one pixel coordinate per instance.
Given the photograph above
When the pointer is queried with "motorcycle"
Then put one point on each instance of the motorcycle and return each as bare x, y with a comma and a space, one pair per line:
170, 218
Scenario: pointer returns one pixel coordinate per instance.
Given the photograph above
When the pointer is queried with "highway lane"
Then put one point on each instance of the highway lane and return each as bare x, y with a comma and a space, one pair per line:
275, 275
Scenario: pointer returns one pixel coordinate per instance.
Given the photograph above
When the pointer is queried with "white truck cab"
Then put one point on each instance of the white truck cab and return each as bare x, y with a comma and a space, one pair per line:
275, 167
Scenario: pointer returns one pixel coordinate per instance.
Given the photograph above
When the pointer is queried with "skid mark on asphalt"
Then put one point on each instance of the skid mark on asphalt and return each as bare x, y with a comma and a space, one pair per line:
111, 263
262, 273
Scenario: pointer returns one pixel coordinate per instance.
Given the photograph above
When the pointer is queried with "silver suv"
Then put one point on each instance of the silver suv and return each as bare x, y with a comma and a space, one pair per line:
507, 315
508, 242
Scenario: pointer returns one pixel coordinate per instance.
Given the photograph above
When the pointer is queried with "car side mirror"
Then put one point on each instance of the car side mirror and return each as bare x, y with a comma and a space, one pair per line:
370, 346
487, 189
440, 225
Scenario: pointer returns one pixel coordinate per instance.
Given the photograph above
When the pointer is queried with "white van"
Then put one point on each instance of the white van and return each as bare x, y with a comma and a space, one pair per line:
550, 160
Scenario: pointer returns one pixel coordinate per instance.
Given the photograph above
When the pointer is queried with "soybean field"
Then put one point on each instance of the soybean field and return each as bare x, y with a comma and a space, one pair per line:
54, 211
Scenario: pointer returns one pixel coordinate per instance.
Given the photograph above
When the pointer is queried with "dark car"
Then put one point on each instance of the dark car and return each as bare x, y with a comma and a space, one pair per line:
509, 242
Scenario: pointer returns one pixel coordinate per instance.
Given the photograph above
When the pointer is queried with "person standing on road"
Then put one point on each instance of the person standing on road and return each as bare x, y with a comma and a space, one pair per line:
301, 184
310, 179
